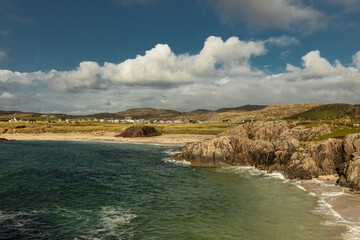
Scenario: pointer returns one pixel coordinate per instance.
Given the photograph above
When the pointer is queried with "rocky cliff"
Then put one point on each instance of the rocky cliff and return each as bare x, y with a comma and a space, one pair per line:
277, 146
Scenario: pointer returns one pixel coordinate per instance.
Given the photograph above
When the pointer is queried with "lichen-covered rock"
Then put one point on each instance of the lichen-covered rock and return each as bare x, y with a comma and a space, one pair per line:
350, 175
276, 146
306, 134
351, 145
319, 158
268, 131
138, 131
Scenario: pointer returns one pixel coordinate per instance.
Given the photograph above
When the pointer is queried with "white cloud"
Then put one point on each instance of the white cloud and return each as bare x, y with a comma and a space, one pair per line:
282, 41
316, 66
86, 76
282, 14
160, 67
356, 60
9, 101
7, 76
220, 75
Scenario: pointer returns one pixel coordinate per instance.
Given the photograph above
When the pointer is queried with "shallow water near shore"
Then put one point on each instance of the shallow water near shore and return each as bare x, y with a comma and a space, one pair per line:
97, 190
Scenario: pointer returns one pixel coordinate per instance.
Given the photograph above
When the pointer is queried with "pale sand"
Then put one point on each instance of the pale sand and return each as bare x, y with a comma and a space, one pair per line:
347, 205
344, 202
163, 139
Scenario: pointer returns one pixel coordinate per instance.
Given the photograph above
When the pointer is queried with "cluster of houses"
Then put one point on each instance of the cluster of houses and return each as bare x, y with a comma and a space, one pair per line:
140, 121
126, 120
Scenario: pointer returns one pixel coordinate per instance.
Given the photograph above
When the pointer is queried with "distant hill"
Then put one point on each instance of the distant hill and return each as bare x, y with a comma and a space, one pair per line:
149, 113
329, 111
199, 111
240, 113
4, 113
246, 108
101, 115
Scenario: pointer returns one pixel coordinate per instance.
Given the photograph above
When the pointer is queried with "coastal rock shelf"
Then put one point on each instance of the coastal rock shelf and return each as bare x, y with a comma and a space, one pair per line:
278, 146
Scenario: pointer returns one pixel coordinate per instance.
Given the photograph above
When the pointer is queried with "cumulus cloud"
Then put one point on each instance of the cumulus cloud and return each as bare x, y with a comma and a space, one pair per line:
86, 76
161, 68
7, 76
356, 60
263, 14
220, 75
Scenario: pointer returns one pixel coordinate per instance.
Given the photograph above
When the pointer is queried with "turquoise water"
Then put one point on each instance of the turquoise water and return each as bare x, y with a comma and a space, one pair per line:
96, 190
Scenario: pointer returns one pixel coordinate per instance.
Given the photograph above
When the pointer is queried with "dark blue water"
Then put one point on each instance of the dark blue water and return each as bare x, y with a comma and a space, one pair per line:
95, 190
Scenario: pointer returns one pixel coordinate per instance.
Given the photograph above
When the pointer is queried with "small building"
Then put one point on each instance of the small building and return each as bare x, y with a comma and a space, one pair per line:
15, 120
248, 121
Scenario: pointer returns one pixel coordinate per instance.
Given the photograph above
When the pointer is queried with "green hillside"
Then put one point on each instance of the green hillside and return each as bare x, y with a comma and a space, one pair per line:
329, 111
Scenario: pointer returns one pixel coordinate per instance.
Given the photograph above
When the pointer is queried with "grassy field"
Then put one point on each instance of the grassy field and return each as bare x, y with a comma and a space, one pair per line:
339, 127
211, 128
328, 112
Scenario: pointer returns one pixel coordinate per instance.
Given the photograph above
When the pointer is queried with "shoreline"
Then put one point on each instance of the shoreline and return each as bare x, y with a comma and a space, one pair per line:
338, 205
165, 139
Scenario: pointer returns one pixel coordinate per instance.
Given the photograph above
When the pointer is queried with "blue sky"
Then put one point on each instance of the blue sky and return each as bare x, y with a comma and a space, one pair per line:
111, 55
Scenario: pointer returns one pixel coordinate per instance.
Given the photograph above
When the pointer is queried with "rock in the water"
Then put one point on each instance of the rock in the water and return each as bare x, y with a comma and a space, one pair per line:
137, 131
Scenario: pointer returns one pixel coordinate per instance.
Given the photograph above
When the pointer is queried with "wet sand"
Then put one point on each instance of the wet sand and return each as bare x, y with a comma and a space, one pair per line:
163, 139
337, 204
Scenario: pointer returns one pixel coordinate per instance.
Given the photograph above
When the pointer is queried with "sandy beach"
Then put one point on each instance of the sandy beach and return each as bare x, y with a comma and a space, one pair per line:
337, 204
163, 139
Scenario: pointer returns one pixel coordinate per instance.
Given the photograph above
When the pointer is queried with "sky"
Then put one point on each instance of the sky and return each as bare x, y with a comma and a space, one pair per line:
91, 56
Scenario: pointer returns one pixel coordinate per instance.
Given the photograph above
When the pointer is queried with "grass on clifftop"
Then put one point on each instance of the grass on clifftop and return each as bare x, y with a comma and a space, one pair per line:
339, 127
329, 111
340, 132
209, 128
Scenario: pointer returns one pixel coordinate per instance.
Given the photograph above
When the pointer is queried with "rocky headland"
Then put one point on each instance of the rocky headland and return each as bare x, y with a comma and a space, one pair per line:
282, 147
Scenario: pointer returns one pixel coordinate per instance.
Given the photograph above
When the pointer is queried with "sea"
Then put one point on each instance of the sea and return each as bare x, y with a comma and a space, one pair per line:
110, 190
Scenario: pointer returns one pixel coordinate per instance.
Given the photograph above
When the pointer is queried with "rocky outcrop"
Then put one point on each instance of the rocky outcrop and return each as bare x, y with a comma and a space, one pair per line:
276, 146
5, 140
349, 171
137, 131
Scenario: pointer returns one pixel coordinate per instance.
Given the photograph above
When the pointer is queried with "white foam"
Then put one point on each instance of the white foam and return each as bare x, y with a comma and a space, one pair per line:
177, 162
297, 184
325, 193
252, 171
112, 217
